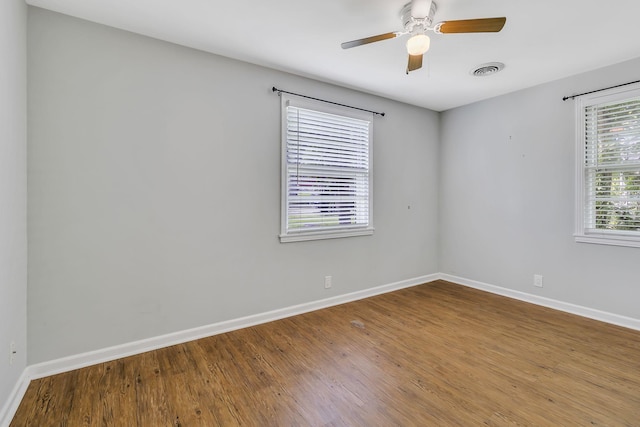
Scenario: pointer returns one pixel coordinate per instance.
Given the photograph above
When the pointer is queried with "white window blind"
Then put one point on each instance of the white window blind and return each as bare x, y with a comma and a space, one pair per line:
326, 174
611, 168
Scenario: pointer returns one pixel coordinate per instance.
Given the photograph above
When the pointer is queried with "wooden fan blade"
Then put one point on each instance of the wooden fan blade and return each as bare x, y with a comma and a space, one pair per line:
367, 40
486, 25
415, 62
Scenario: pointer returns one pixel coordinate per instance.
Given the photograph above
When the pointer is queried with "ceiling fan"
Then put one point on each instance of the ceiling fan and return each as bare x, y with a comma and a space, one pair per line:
417, 17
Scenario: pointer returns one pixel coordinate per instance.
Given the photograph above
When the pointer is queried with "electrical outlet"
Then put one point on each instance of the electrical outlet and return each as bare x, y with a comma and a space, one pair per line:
12, 352
327, 282
537, 280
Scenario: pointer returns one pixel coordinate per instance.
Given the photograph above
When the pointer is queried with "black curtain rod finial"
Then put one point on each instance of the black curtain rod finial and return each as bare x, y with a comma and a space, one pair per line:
280, 91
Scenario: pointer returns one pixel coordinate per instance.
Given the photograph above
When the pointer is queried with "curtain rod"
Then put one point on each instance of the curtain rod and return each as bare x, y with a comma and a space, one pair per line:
275, 89
598, 90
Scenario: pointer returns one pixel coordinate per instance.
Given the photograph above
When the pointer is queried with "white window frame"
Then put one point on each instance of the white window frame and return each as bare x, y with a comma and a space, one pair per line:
587, 233
291, 234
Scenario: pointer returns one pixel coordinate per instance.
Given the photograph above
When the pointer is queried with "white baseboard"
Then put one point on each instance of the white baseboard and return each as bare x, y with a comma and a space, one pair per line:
11, 406
116, 352
603, 316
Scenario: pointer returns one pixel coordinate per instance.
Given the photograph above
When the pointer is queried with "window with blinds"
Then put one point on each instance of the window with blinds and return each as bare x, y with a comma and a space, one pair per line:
609, 169
326, 171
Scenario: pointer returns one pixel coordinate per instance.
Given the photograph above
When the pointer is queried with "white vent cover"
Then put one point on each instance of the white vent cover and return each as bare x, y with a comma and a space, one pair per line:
487, 69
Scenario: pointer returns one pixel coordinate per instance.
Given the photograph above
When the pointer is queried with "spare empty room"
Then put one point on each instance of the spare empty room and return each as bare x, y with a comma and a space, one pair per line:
148, 201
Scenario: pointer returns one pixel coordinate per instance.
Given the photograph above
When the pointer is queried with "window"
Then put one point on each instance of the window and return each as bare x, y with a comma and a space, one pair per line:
608, 194
326, 171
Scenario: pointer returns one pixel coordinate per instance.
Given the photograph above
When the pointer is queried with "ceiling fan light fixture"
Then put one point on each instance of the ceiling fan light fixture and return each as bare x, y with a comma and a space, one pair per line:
418, 44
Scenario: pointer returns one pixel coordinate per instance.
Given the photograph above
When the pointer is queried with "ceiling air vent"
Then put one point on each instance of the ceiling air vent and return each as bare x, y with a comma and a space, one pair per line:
487, 69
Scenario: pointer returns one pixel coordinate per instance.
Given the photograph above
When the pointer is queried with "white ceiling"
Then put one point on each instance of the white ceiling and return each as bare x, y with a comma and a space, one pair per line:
543, 40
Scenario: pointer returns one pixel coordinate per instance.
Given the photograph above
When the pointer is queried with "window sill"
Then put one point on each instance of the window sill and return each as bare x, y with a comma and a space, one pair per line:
321, 235
607, 239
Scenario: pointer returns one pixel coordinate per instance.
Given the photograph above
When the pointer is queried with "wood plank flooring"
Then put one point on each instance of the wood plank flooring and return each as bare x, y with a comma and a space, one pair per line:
433, 355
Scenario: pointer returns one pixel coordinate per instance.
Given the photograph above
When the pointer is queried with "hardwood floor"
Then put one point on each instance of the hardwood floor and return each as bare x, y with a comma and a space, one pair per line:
432, 355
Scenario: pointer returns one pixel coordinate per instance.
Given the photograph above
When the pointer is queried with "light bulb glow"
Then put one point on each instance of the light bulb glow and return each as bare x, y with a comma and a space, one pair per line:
418, 44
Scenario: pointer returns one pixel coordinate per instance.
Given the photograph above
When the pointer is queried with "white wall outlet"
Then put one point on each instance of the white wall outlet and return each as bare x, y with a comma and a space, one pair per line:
537, 280
12, 352
327, 282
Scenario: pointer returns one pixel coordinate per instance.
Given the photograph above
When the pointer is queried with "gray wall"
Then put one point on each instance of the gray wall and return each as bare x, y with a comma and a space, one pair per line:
13, 191
154, 191
507, 198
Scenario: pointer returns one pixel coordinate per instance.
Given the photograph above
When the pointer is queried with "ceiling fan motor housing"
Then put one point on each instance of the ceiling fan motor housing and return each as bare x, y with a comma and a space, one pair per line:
412, 22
